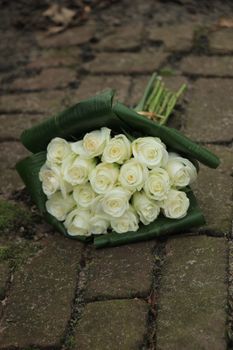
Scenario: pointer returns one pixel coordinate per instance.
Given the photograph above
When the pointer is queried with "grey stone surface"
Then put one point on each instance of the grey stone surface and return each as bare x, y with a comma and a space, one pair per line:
69, 37
121, 272
210, 111
126, 37
221, 41
11, 126
175, 38
48, 79
10, 154
208, 65
92, 85
193, 295
113, 324
214, 189
39, 305
48, 102
142, 62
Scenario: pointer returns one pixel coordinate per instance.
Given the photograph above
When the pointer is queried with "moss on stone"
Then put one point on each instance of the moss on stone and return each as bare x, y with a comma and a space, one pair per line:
13, 218
18, 253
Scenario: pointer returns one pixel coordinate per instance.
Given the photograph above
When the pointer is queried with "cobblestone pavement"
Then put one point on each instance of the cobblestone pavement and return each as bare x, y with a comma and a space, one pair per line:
167, 294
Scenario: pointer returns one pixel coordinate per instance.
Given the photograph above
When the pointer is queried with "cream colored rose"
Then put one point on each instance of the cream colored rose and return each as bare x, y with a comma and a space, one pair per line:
182, 172
84, 195
58, 206
99, 224
117, 150
127, 222
147, 209
103, 177
77, 222
116, 202
157, 184
150, 151
77, 169
57, 150
50, 180
176, 205
133, 175
92, 144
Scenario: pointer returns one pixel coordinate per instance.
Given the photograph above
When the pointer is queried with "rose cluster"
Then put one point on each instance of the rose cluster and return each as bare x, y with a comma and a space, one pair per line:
103, 182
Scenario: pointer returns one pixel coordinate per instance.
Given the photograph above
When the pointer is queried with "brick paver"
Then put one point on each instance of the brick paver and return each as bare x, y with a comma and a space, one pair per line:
193, 295
214, 191
42, 292
48, 79
143, 62
11, 126
208, 65
121, 272
221, 41
116, 325
209, 112
10, 154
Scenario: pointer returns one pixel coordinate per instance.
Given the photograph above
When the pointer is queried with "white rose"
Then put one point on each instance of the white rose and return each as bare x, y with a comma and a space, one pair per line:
77, 222
116, 202
103, 177
133, 175
182, 172
58, 206
176, 205
150, 151
50, 180
57, 150
147, 209
93, 143
76, 169
99, 224
117, 150
126, 223
84, 195
157, 184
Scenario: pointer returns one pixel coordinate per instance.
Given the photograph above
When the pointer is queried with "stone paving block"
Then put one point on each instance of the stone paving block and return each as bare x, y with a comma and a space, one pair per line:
49, 102
221, 41
55, 58
4, 276
113, 324
175, 37
48, 79
214, 189
11, 126
10, 154
208, 65
70, 37
127, 37
92, 85
210, 111
39, 305
142, 62
121, 272
193, 295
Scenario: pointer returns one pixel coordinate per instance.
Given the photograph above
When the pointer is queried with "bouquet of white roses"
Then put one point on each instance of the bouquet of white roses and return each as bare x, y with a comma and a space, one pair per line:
107, 172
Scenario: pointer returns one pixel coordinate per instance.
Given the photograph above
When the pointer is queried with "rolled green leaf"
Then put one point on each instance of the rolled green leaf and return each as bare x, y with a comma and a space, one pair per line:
160, 227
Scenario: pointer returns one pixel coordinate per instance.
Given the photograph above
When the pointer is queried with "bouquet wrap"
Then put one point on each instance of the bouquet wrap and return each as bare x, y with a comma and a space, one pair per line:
94, 113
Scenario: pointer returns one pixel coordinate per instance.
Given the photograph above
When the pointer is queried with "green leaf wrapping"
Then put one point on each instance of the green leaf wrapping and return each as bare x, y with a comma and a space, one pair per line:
161, 226
92, 114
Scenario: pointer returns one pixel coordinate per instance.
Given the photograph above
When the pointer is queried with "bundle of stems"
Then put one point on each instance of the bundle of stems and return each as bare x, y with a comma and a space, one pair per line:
158, 102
